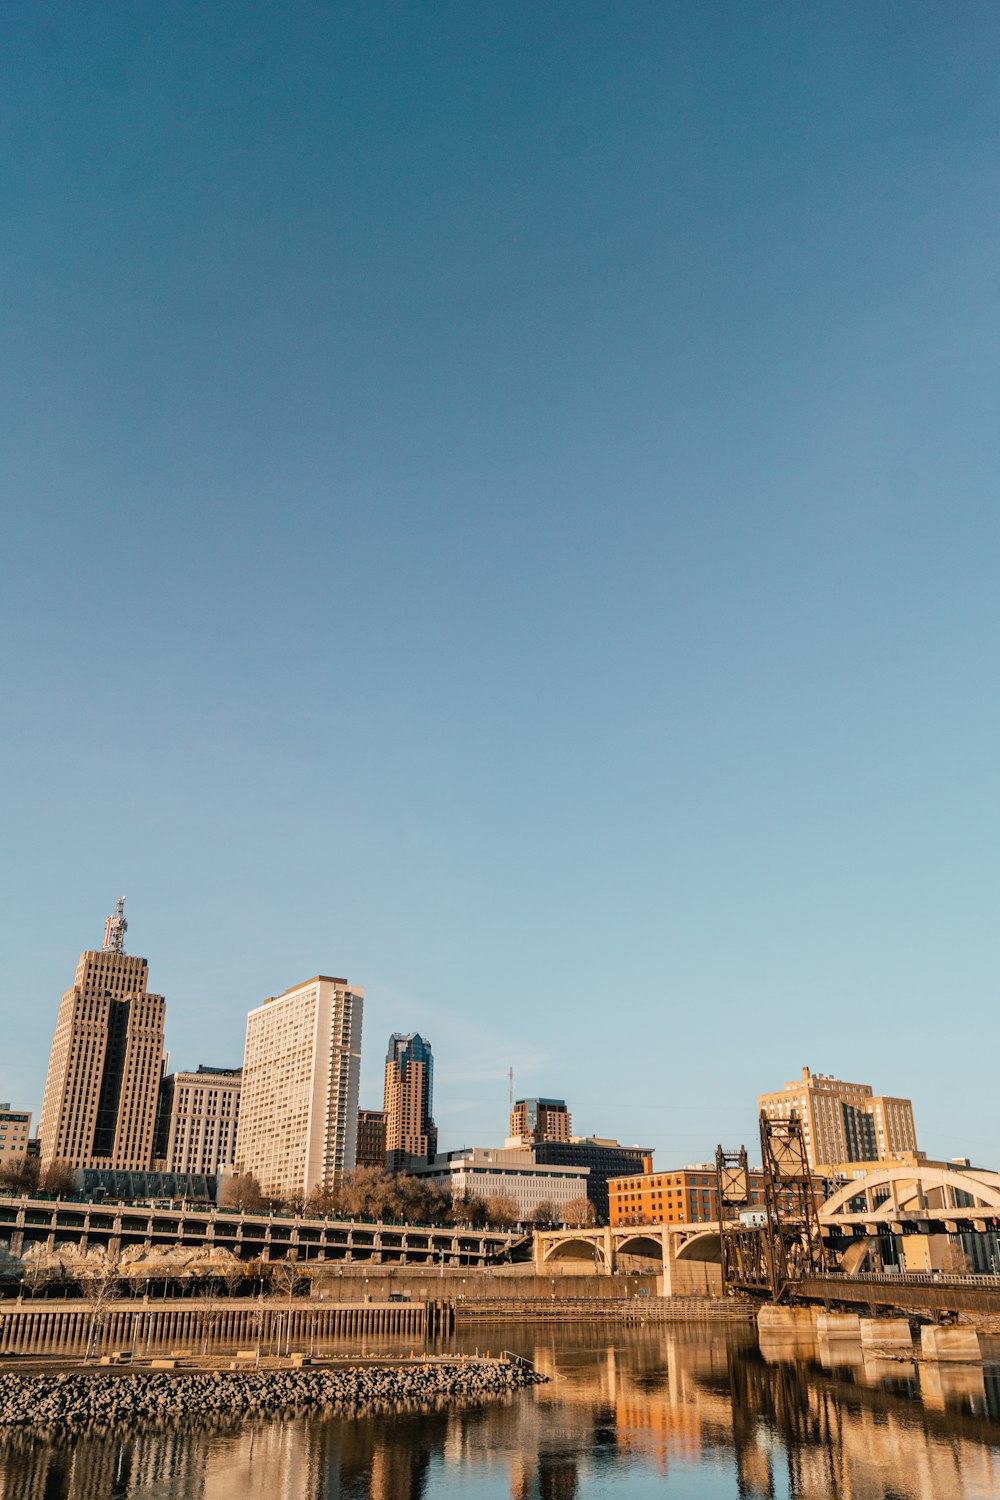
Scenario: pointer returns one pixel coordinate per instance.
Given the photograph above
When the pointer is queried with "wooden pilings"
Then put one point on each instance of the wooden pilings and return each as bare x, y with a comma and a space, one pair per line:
272, 1327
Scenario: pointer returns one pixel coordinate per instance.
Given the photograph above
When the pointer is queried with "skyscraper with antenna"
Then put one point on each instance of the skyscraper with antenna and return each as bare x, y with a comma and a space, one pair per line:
99, 1108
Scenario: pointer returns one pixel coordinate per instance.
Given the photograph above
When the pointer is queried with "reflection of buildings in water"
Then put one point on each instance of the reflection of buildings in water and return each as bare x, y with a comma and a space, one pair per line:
792, 1347
550, 1477
397, 1474
840, 1354
377, 1458
31, 1473
863, 1438
267, 1458
95, 1467
649, 1395
659, 1399
263, 1457
991, 1391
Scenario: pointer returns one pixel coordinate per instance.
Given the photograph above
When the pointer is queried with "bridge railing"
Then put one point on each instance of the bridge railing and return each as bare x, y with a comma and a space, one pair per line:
924, 1278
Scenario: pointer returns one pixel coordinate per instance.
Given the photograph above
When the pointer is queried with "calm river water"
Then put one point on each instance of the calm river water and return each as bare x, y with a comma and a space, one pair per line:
689, 1411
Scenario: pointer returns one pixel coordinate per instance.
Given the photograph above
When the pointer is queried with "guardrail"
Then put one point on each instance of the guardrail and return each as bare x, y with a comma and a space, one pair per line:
924, 1278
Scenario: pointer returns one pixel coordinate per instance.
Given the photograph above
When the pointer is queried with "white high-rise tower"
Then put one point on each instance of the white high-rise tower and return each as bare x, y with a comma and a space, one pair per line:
299, 1099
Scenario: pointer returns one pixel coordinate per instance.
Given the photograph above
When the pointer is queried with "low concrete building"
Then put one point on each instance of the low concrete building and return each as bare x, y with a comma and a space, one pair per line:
510, 1172
96, 1185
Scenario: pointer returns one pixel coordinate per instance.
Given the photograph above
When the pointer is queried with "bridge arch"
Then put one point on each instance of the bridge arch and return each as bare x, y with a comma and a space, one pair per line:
640, 1244
923, 1187
705, 1246
575, 1247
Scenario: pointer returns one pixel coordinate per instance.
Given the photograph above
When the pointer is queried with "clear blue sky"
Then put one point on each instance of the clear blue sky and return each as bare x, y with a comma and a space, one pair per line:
501, 503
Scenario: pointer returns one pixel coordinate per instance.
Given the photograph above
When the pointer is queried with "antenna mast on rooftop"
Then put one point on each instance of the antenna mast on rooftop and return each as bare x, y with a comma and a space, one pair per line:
115, 929
510, 1079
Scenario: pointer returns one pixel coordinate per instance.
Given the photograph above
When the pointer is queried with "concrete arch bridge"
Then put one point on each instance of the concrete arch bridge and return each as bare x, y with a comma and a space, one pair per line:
687, 1255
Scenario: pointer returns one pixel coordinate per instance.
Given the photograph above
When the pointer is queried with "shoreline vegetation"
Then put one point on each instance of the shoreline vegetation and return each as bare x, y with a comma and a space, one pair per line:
366, 1195
44, 1404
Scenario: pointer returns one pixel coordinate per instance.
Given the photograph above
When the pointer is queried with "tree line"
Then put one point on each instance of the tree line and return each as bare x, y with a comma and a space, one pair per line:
23, 1174
369, 1193
374, 1194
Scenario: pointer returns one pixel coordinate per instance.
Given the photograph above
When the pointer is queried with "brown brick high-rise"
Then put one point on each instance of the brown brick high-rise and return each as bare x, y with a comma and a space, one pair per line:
99, 1107
410, 1132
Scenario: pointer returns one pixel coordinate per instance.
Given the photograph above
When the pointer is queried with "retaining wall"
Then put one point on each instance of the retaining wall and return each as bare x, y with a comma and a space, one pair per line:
76, 1329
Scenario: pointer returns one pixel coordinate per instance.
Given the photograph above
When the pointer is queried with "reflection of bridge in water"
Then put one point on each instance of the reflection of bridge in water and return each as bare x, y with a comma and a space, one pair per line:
890, 1201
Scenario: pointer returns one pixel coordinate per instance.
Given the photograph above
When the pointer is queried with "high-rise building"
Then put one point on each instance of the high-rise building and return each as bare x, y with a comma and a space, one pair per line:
196, 1123
371, 1138
845, 1124
540, 1120
299, 1098
410, 1132
15, 1128
99, 1107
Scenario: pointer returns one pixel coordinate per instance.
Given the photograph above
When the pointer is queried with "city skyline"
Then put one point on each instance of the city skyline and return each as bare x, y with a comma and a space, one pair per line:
858, 1124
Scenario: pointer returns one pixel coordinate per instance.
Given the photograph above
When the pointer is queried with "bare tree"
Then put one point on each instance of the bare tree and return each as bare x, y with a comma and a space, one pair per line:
58, 1180
38, 1270
468, 1210
231, 1271
501, 1210
243, 1192
287, 1277
578, 1213
323, 1203
101, 1282
545, 1214
19, 1175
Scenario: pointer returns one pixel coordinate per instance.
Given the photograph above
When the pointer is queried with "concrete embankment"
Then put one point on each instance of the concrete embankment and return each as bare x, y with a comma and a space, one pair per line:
42, 1326
42, 1401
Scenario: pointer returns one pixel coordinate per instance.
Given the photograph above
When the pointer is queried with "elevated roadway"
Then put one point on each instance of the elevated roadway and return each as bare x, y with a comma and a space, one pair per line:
116, 1227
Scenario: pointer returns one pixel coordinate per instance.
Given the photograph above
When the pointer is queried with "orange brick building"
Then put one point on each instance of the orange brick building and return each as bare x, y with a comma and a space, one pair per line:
685, 1196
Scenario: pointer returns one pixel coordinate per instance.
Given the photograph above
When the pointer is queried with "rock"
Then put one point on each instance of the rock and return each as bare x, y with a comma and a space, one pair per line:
74, 1399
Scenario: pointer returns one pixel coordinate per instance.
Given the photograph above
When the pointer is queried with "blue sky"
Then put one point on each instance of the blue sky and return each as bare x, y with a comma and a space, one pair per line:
501, 504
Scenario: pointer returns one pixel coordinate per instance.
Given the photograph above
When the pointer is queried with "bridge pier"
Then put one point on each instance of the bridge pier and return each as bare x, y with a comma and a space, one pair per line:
956, 1345
886, 1333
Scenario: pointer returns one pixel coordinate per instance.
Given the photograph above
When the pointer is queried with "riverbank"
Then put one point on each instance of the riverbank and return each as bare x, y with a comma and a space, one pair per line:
106, 1396
78, 1328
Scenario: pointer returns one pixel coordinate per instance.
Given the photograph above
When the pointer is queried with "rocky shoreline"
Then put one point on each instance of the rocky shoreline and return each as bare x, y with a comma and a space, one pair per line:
77, 1400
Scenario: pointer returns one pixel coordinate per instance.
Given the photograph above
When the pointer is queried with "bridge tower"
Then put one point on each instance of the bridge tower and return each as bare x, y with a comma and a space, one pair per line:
764, 1254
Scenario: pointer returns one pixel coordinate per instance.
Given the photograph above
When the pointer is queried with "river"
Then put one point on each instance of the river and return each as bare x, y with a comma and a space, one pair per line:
688, 1411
